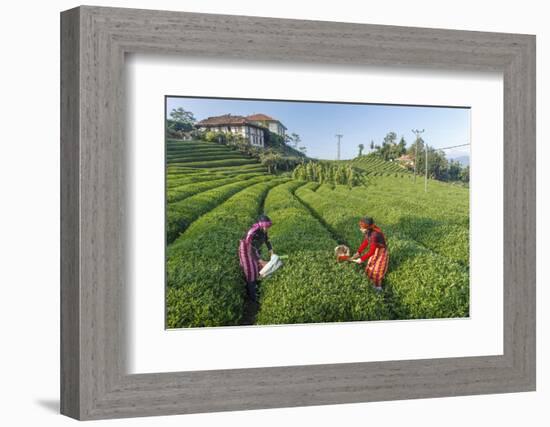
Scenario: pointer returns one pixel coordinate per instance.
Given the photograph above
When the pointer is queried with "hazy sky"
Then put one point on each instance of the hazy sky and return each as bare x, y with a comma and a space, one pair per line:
318, 123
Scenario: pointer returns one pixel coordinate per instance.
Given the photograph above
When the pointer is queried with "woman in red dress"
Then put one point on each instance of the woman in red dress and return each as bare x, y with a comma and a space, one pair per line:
377, 255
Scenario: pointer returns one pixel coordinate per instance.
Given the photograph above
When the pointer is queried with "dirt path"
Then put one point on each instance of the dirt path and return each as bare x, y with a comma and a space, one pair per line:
249, 313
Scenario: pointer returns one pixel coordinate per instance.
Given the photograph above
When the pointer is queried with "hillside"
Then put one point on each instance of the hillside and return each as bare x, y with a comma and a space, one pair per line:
276, 144
214, 194
371, 164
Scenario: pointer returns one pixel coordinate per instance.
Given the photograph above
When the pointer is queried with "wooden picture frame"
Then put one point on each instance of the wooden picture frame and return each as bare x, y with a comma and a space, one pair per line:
94, 41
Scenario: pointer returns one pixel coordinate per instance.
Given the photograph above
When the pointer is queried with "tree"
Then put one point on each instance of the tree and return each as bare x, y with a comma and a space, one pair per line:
296, 139
454, 171
303, 149
401, 148
390, 138
219, 137
415, 151
180, 121
438, 166
371, 145
389, 150
320, 173
270, 160
242, 144
465, 174
361, 148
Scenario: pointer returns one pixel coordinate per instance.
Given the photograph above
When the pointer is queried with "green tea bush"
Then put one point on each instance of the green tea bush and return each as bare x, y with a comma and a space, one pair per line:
205, 286
440, 223
195, 144
176, 169
196, 157
177, 180
180, 214
420, 283
181, 192
216, 163
188, 148
371, 163
212, 199
311, 287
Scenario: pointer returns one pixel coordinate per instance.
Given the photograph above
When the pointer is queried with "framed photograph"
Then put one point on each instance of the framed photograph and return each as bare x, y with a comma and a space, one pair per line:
261, 213
246, 196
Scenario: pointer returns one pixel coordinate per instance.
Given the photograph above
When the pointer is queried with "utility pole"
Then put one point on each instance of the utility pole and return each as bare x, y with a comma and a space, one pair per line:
339, 136
426, 172
417, 133
426, 167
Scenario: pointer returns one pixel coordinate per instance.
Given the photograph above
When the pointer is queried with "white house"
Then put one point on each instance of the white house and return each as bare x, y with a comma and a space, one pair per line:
272, 124
237, 125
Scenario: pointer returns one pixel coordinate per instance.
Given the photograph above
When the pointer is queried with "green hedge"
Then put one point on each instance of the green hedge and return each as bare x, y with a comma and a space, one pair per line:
371, 163
420, 283
311, 287
201, 157
198, 148
175, 170
180, 214
181, 192
177, 180
205, 284
441, 222
216, 163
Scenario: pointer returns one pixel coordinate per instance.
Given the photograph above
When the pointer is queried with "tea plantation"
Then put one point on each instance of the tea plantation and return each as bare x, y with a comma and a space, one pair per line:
214, 194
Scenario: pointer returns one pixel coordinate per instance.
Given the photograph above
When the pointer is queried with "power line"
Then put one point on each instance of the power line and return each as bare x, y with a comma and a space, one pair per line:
426, 163
426, 169
453, 146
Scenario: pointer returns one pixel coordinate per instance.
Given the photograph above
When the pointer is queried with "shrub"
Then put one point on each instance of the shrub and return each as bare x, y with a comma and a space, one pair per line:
420, 283
205, 284
311, 287
181, 214
181, 192
219, 137
216, 163
329, 172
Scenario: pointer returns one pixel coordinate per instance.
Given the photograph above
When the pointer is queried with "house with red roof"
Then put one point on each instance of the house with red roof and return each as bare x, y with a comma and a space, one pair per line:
238, 125
272, 124
253, 127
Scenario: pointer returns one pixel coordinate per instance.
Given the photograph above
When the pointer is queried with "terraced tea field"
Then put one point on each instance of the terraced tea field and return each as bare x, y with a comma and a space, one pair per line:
214, 194
375, 166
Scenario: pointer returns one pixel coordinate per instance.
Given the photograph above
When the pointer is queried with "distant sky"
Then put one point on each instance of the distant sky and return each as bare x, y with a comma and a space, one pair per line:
318, 123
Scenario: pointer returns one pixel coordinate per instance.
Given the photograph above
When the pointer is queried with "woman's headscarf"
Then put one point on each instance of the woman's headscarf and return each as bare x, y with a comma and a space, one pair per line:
262, 221
366, 222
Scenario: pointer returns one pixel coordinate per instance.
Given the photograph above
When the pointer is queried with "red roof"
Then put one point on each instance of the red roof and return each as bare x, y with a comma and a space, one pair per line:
226, 119
261, 117
229, 119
